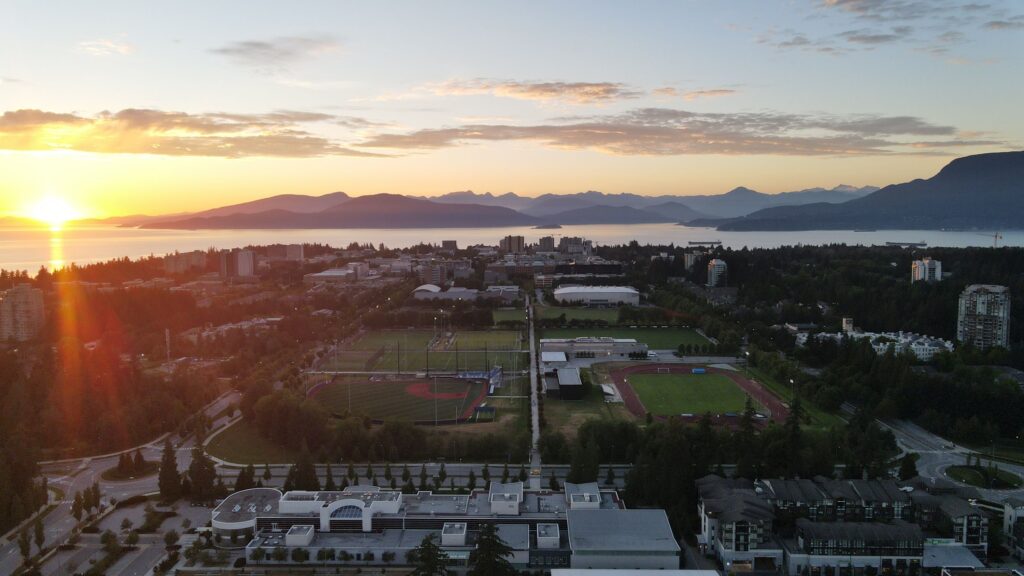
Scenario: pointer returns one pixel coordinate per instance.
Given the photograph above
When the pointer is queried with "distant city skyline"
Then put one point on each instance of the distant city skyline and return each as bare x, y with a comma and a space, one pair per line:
120, 108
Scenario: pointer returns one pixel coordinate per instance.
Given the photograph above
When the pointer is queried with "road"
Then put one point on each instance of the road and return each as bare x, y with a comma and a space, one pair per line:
936, 454
72, 476
535, 463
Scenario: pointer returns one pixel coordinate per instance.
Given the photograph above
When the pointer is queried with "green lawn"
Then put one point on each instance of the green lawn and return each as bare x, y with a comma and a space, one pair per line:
673, 394
979, 477
655, 338
491, 339
242, 444
609, 315
509, 315
817, 417
566, 416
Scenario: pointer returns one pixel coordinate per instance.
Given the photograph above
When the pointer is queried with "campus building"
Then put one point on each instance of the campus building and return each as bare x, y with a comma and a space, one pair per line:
984, 316
22, 313
597, 295
583, 527
925, 270
181, 262
512, 244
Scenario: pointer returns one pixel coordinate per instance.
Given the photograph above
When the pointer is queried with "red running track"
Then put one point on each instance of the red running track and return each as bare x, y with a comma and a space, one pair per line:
759, 393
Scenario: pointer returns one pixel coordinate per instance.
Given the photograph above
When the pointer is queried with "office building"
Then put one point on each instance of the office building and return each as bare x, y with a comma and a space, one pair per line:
691, 258
718, 273
237, 263
246, 263
925, 270
181, 262
449, 245
546, 244
597, 295
21, 313
984, 316
512, 244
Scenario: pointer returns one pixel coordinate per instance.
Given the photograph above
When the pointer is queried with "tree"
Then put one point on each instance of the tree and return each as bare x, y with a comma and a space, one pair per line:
522, 474
490, 557
504, 474
266, 472
300, 555
406, 475
908, 466
329, 484
486, 473
442, 474
132, 539
171, 538
258, 555
76, 507
169, 480
471, 482
585, 462
138, 462
387, 471
110, 544
25, 545
428, 558
126, 523
350, 473
305, 472
553, 483
609, 479
202, 474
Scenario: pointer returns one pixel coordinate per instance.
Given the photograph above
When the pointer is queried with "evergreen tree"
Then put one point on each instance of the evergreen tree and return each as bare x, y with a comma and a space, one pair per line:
40, 534
522, 474
25, 545
490, 557
387, 471
442, 474
586, 460
201, 474
350, 473
428, 558
486, 473
471, 483
138, 462
908, 467
504, 474
406, 475
369, 471
305, 472
169, 480
553, 483
794, 438
329, 484
609, 479
266, 472
246, 478
746, 449
76, 507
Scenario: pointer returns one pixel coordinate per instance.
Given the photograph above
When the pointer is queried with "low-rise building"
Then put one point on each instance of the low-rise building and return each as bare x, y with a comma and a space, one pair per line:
597, 295
595, 347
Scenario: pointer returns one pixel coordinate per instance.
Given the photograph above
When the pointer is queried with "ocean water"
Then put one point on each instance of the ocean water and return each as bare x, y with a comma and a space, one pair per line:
28, 249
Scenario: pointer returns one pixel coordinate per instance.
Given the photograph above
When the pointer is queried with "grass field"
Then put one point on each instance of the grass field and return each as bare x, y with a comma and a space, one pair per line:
673, 394
609, 315
242, 444
655, 338
406, 400
817, 417
379, 350
983, 478
509, 315
566, 416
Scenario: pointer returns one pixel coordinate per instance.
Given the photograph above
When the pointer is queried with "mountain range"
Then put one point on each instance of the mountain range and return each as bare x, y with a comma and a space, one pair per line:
981, 191
469, 209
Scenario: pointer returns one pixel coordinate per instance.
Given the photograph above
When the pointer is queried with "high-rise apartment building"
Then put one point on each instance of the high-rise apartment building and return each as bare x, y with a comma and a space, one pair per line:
925, 270
513, 244
984, 316
21, 313
718, 273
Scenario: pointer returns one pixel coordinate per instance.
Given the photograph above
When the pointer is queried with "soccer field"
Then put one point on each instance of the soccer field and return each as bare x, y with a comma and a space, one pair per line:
675, 394
403, 400
408, 351
655, 338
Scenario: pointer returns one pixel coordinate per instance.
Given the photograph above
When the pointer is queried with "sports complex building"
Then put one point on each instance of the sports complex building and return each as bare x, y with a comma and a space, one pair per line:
582, 527
597, 295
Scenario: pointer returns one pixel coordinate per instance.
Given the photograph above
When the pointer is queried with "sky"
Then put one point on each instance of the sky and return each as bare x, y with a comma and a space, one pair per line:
134, 107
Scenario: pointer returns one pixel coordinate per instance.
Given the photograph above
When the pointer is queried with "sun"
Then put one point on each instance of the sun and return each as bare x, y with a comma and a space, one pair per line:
53, 211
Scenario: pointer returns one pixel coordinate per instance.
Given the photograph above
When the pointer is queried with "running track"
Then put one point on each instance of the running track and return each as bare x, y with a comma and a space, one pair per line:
756, 391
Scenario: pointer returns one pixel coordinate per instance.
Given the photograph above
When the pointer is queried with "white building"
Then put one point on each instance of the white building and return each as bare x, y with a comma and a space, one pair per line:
718, 273
512, 244
434, 292
21, 313
924, 348
984, 317
593, 347
925, 270
246, 263
597, 295
330, 276
181, 262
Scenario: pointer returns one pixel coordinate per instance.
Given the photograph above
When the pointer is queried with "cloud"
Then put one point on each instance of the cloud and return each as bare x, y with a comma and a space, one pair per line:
105, 47
693, 94
663, 131
869, 37
571, 92
8, 80
276, 54
146, 131
1014, 23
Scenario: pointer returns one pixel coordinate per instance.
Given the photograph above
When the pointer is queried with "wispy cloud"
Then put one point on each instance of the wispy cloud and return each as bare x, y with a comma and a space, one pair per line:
277, 54
8, 80
145, 131
663, 131
105, 47
1012, 23
570, 92
691, 95
871, 37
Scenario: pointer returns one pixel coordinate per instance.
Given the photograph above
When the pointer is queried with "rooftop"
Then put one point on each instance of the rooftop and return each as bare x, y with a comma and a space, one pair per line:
596, 289
621, 530
248, 504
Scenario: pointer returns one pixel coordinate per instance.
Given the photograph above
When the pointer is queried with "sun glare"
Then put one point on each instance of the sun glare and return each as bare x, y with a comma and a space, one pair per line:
52, 211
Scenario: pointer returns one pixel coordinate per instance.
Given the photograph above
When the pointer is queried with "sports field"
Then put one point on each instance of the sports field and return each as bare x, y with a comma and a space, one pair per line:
404, 400
419, 350
655, 338
675, 394
609, 315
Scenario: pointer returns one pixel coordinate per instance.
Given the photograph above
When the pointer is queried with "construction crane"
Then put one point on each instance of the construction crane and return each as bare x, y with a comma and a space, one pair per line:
996, 237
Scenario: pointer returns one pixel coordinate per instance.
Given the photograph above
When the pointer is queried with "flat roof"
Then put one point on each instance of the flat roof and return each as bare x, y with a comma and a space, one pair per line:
569, 377
247, 505
517, 536
553, 357
607, 572
949, 557
609, 531
597, 289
